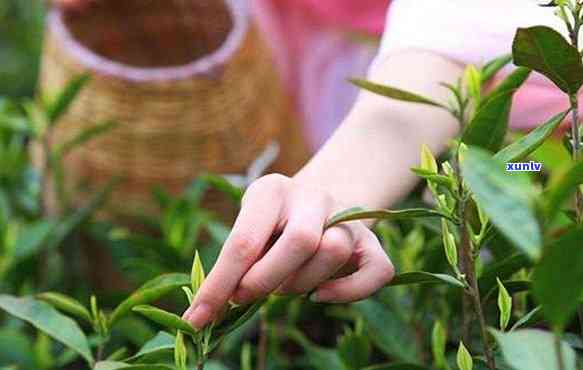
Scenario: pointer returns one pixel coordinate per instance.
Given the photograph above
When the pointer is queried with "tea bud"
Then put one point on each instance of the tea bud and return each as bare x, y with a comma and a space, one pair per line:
428, 162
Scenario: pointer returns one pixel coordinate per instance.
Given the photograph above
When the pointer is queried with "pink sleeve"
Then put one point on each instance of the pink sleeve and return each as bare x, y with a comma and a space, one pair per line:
474, 32
315, 58
467, 31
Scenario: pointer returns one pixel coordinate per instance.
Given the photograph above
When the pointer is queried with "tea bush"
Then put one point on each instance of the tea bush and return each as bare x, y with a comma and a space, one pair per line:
491, 275
21, 27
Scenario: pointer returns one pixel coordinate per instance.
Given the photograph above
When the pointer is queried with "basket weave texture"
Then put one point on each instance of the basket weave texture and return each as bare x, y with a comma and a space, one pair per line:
177, 118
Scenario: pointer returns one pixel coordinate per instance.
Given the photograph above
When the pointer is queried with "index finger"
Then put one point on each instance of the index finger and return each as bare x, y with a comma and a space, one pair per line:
256, 223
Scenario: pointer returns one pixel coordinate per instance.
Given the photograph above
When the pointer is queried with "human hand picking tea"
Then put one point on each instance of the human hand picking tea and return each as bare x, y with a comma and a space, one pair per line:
303, 259
344, 263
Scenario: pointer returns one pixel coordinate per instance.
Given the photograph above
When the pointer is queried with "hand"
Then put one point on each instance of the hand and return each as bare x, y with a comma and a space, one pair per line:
303, 258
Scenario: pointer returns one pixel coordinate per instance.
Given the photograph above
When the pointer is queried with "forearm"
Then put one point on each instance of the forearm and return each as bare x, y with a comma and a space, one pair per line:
367, 161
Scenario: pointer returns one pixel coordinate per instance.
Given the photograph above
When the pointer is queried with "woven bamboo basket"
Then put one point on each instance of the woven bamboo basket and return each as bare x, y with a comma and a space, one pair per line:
191, 84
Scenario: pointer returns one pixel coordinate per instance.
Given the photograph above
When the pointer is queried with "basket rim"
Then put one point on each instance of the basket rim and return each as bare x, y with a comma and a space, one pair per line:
205, 66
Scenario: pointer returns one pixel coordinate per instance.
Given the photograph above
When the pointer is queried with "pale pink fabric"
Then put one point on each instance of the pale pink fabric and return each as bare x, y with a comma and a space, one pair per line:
316, 53
363, 15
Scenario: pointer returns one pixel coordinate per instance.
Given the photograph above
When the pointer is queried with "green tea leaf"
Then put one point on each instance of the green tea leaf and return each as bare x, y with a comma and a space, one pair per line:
150, 292
354, 214
488, 127
160, 343
395, 93
512, 287
234, 318
319, 358
490, 69
506, 198
546, 51
165, 318
66, 304
464, 359
354, 350
394, 366
180, 352
438, 345
43, 351
473, 81
134, 330
531, 316
118, 354
558, 279
421, 277
561, 188
113, 365
224, 186
63, 100
32, 238
37, 119
449, 244
14, 123
189, 295
382, 324
246, 357
433, 178
197, 274
48, 320
428, 162
532, 350
81, 215
17, 349
504, 305
510, 84
84, 137
529, 143
503, 269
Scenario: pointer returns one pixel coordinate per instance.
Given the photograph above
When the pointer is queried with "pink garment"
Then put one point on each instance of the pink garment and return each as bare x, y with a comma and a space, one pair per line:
537, 102
364, 15
475, 32
316, 54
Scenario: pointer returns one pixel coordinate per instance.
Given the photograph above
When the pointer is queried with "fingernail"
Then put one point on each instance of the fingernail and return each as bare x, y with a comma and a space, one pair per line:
187, 313
200, 316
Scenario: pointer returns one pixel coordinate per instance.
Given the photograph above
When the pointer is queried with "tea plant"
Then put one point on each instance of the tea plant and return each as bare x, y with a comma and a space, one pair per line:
208, 338
21, 28
27, 227
491, 273
59, 317
184, 225
476, 199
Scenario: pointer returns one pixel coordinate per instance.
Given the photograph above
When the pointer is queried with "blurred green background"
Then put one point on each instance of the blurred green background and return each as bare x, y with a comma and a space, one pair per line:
21, 29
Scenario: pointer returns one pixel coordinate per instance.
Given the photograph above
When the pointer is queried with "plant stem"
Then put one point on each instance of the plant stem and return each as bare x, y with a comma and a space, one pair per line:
466, 318
578, 195
574, 100
466, 300
262, 345
466, 258
576, 145
468, 268
100, 352
559, 351
46, 174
